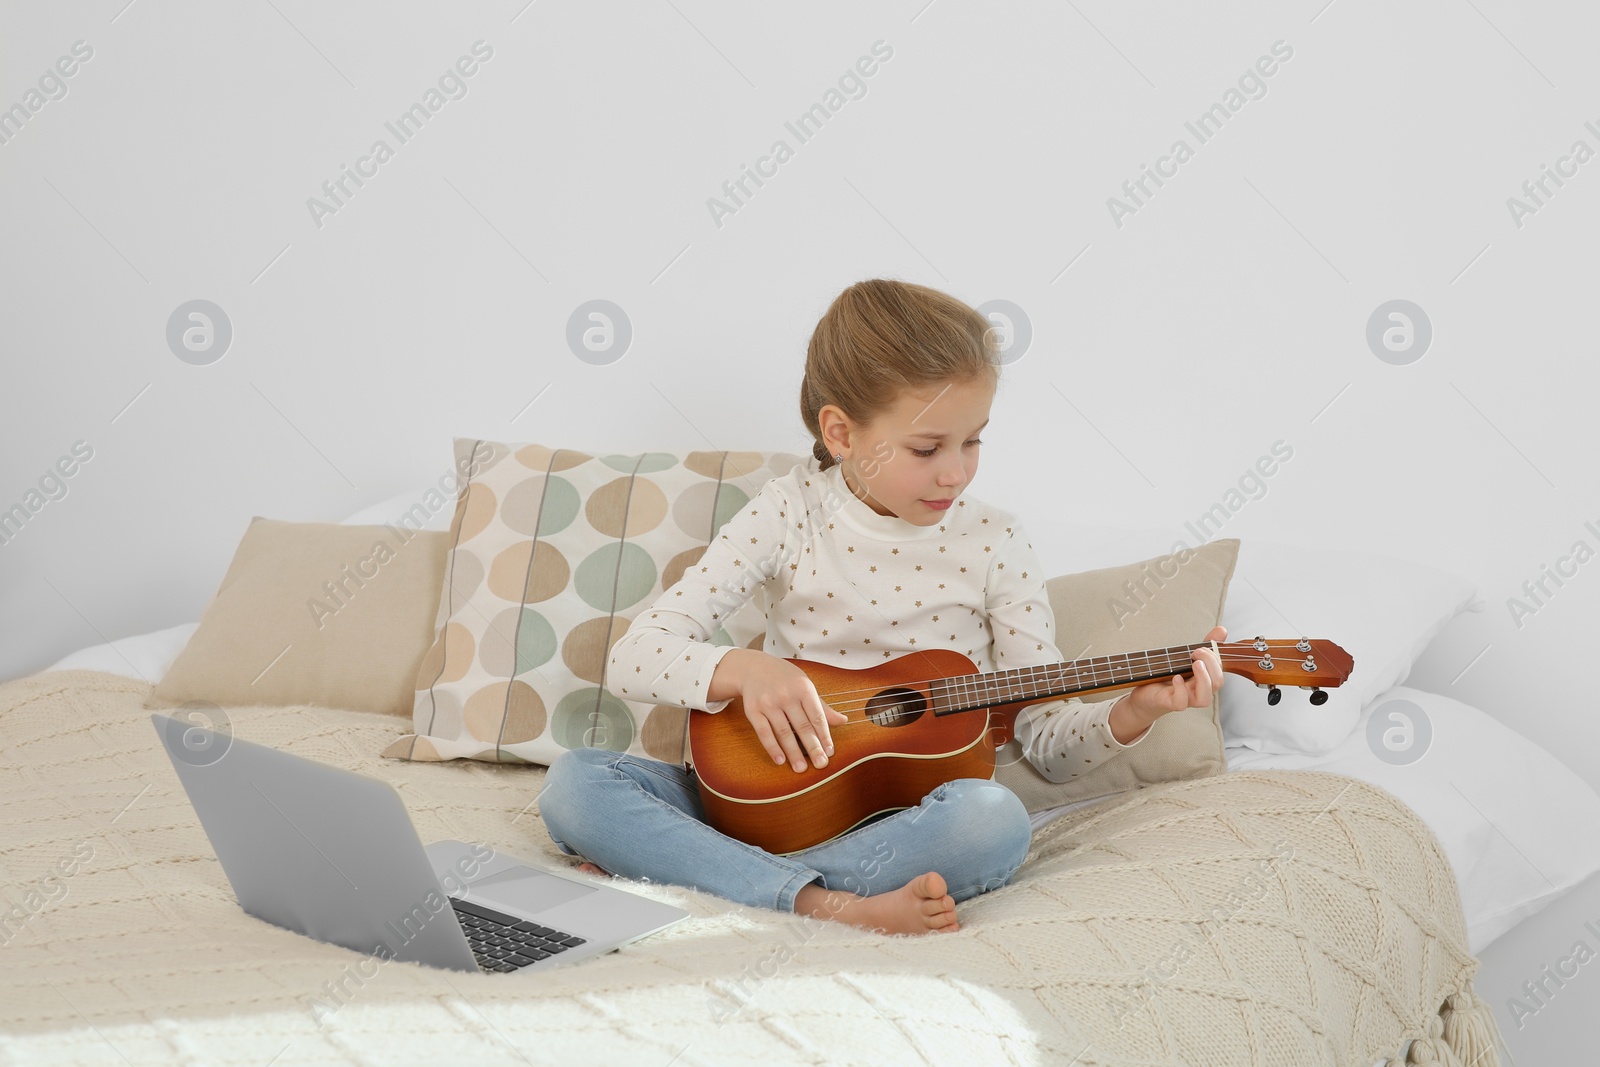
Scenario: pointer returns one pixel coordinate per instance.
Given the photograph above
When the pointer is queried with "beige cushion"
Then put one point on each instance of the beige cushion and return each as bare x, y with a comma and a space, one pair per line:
1179, 601
552, 553
314, 613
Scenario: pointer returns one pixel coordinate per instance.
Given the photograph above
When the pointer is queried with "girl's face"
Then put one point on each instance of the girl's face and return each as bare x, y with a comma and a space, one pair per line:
920, 453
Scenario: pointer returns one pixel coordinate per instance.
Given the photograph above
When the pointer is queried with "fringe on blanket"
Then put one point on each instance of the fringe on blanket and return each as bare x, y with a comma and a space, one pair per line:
1463, 1034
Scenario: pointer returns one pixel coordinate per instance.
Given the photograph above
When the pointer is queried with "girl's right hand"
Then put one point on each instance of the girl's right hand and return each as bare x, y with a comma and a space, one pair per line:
789, 718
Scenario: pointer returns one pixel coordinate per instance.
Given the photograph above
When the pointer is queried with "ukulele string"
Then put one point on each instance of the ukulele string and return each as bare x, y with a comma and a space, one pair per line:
947, 683
852, 702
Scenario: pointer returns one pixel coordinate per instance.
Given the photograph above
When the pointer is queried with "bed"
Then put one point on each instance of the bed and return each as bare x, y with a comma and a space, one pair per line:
1300, 907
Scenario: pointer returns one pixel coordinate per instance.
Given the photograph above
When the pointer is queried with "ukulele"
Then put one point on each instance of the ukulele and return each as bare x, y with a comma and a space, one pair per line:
926, 718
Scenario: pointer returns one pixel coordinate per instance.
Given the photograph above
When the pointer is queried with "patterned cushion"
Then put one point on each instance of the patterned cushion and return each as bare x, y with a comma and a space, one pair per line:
551, 553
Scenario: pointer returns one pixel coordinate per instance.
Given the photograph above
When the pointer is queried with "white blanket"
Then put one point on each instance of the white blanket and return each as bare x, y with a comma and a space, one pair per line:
1268, 917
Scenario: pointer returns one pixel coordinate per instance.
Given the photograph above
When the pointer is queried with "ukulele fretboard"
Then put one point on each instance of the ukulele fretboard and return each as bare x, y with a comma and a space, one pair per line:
969, 691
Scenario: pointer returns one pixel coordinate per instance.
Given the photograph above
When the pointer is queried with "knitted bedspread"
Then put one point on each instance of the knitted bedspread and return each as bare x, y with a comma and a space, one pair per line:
1255, 918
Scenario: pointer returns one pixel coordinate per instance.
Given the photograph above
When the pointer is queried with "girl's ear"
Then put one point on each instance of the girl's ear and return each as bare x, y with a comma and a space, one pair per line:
834, 425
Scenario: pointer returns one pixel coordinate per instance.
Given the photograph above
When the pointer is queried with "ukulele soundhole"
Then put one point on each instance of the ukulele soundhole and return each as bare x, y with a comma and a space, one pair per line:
896, 707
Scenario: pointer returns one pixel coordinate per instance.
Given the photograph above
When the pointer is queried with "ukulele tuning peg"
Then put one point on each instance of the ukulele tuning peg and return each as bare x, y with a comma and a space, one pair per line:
1274, 694
1318, 696
1303, 646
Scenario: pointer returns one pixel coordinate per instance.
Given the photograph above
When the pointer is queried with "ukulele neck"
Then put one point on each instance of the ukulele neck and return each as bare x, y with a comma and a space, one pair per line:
1008, 692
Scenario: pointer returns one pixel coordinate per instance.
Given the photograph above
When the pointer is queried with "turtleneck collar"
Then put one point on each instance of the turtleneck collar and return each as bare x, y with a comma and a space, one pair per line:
859, 516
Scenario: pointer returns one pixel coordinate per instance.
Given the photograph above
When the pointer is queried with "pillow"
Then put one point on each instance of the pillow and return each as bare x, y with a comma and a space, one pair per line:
1382, 610
1097, 616
1502, 807
150, 655
552, 552
419, 509
314, 613
145, 656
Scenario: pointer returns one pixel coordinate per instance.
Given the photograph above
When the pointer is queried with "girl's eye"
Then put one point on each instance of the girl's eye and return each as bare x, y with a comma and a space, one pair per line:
926, 452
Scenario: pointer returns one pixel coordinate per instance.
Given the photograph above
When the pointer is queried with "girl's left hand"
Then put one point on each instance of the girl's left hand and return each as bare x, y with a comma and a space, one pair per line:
1155, 699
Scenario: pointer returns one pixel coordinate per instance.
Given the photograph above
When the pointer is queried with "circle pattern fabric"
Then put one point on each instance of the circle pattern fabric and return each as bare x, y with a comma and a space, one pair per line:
553, 553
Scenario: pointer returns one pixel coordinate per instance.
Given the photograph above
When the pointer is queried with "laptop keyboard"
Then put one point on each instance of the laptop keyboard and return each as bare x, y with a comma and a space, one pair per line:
502, 942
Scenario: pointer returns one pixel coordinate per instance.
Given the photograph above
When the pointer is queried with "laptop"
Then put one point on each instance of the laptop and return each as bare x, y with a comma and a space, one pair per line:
333, 855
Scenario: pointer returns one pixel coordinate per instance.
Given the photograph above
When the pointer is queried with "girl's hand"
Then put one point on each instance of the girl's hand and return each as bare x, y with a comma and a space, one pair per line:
1155, 699
789, 717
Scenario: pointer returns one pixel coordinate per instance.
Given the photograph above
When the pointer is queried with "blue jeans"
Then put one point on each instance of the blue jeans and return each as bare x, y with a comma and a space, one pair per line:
641, 819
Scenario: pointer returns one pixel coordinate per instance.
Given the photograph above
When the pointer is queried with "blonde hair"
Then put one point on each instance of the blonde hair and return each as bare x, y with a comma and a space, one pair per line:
880, 337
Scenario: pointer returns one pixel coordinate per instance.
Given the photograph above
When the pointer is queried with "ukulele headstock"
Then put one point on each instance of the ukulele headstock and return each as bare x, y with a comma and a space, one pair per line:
1308, 664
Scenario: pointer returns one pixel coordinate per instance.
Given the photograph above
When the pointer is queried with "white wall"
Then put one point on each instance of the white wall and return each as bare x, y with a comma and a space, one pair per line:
1168, 352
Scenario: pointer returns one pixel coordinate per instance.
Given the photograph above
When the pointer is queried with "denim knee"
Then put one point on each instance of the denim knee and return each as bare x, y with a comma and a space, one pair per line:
564, 783
993, 818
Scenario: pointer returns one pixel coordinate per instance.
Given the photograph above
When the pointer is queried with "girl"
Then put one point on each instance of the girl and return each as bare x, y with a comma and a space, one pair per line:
876, 554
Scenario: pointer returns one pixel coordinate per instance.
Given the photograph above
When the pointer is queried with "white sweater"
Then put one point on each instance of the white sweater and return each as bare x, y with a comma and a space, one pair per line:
847, 586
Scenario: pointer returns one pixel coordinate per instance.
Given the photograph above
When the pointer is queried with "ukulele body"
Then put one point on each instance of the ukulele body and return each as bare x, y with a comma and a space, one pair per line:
888, 757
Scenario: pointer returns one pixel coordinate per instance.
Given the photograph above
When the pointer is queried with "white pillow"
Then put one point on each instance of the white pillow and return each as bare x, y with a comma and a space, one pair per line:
431, 506
144, 656
1487, 793
1382, 610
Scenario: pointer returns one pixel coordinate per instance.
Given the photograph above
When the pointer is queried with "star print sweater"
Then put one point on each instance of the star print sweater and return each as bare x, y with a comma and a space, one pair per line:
845, 585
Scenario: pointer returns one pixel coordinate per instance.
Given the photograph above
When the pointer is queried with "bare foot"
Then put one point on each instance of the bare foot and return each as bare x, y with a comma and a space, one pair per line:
920, 906
589, 868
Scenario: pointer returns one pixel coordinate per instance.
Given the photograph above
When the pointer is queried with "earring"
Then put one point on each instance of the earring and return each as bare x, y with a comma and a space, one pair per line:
838, 457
